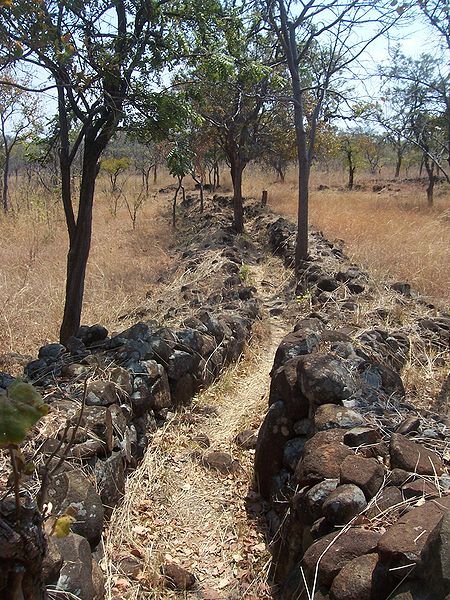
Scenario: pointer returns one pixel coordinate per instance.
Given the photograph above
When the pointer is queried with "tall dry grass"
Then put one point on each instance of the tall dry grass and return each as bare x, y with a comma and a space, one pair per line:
124, 262
392, 233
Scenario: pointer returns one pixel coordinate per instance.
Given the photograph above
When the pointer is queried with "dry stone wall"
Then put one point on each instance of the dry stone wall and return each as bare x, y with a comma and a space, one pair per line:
136, 379
355, 478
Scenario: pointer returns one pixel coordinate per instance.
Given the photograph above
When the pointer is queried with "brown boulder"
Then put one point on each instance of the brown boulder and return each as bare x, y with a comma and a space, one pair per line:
410, 456
366, 473
388, 498
330, 416
323, 455
363, 578
413, 539
331, 553
420, 487
76, 575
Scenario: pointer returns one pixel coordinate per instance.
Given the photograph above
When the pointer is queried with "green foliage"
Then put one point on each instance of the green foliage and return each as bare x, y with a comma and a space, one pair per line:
21, 407
179, 160
116, 165
245, 274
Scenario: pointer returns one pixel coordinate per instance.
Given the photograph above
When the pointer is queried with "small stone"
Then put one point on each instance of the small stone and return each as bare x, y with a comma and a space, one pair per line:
361, 436
366, 473
327, 284
221, 461
344, 503
330, 416
92, 334
247, 439
202, 440
51, 352
398, 477
101, 393
322, 457
413, 457
419, 488
402, 288
409, 424
325, 379
176, 577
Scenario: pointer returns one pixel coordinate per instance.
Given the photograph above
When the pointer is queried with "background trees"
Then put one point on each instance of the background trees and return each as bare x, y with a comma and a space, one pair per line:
319, 43
18, 120
100, 57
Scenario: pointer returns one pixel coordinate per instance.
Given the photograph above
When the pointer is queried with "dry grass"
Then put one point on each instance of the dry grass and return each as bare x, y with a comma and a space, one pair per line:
391, 233
124, 264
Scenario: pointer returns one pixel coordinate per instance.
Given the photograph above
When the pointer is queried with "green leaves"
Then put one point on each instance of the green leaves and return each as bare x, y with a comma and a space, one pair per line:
179, 160
21, 406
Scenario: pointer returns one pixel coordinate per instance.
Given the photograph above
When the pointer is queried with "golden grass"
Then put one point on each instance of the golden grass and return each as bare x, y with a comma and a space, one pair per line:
124, 264
393, 234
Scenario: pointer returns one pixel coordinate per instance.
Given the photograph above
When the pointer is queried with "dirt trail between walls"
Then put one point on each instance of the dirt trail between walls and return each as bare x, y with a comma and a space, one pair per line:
178, 509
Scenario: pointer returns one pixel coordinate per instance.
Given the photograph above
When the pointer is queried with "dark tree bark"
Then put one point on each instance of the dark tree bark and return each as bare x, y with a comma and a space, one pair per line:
398, 164
5, 201
237, 169
429, 167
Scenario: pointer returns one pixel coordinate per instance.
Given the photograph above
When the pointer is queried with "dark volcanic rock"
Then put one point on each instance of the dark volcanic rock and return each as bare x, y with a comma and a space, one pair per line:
363, 578
366, 473
410, 456
325, 379
344, 503
335, 552
322, 457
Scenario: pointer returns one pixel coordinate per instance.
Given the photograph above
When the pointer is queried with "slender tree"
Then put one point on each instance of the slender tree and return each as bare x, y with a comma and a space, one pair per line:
18, 120
319, 42
100, 55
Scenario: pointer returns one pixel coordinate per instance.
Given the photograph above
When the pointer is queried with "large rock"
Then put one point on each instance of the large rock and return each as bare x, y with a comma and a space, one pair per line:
76, 575
322, 457
363, 578
298, 343
344, 503
284, 386
366, 473
413, 457
110, 476
273, 434
414, 540
73, 488
325, 379
330, 416
331, 553
316, 496
101, 393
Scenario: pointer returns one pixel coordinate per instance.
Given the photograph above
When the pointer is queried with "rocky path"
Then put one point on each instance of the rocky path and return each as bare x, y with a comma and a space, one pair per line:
190, 502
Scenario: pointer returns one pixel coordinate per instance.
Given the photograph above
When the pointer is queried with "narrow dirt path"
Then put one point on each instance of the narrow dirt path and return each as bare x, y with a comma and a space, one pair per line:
178, 509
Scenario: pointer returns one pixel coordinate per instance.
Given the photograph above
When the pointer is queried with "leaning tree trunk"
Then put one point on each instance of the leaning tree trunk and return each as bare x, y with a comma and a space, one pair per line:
79, 246
237, 169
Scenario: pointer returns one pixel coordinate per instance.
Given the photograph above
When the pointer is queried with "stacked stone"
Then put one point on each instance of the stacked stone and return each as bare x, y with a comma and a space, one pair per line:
359, 506
135, 379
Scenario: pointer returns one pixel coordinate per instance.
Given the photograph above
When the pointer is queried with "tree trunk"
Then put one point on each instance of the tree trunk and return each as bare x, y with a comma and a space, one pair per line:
155, 173
201, 196
238, 210
79, 246
431, 181
351, 176
5, 183
398, 164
